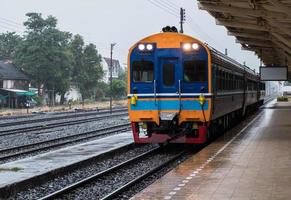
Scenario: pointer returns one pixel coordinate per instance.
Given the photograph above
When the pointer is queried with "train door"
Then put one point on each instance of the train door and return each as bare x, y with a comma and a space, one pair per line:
169, 83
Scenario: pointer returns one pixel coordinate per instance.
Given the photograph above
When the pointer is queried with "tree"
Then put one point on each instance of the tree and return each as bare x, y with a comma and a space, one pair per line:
87, 70
102, 91
44, 54
120, 85
77, 50
122, 74
118, 88
9, 43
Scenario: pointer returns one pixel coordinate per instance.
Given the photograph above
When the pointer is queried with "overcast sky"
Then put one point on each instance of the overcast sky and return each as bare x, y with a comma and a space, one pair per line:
124, 22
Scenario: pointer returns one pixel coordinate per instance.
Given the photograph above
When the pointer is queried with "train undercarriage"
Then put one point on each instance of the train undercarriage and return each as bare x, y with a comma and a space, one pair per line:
187, 132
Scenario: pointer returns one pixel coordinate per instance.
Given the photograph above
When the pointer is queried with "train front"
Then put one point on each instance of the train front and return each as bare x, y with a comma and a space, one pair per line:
169, 89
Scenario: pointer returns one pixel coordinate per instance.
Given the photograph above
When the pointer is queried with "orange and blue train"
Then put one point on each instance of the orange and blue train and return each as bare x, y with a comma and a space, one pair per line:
181, 90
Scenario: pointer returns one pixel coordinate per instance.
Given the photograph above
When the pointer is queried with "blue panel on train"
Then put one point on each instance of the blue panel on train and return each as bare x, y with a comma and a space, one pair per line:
160, 56
169, 105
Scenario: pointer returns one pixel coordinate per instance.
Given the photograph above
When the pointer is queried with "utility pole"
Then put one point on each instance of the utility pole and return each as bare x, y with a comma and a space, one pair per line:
111, 67
182, 19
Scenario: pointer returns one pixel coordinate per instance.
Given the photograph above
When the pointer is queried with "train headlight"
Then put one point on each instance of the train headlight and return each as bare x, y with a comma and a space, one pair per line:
141, 47
186, 47
149, 47
195, 46
189, 47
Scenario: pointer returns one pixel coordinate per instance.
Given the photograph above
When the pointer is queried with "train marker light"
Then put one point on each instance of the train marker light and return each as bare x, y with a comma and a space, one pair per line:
187, 47
141, 47
133, 100
149, 47
195, 46
201, 99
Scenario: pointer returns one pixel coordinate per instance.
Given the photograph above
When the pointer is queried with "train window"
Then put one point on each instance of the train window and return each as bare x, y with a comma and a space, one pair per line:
195, 71
222, 80
218, 80
143, 71
169, 74
228, 81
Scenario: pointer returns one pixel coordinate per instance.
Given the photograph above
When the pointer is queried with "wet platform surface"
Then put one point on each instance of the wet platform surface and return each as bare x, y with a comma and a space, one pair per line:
254, 164
43, 163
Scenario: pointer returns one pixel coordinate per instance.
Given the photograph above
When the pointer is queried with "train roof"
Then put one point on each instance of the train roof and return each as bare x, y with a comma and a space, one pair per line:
174, 43
230, 60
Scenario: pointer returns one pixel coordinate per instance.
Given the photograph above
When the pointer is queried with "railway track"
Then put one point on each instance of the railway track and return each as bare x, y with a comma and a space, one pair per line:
117, 177
59, 124
74, 115
11, 153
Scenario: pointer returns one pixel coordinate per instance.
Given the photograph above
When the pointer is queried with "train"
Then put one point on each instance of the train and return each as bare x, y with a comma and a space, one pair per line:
181, 90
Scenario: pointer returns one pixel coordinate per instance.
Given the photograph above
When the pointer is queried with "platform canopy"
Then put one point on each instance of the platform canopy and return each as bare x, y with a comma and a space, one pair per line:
262, 26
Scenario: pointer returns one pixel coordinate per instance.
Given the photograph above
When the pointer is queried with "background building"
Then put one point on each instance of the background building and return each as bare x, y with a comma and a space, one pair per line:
106, 68
12, 78
14, 85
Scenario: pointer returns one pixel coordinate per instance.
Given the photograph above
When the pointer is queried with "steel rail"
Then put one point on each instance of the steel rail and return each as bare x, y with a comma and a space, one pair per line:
58, 117
89, 179
31, 148
58, 124
127, 186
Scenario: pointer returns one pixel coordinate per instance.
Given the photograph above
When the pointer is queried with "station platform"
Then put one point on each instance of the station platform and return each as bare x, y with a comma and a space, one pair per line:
17, 172
253, 163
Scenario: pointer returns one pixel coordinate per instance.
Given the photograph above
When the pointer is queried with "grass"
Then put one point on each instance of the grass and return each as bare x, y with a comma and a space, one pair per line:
282, 98
94, 105
13, 169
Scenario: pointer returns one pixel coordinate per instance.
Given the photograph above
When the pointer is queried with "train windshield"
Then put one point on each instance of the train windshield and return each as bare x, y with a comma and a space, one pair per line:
195, 71
143, 71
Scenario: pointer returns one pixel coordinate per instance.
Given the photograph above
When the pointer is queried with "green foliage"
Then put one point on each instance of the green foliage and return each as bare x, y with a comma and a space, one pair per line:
38, 100
87, 70
76, 48
282, 98
9, 43
54, 59
102, 90
44, 54
118, 88
122, 75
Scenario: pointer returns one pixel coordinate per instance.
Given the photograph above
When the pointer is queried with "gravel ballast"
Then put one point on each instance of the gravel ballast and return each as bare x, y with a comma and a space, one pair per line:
99, 164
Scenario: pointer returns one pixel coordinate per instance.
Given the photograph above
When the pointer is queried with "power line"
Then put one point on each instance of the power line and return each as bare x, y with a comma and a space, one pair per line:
10, 25
164, 9
166, 6
9, 28
200, 29
11, 21
170, 4
161, 6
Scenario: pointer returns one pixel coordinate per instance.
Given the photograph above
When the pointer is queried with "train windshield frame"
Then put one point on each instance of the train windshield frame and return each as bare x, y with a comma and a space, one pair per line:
142, 71
194, 71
